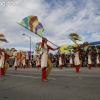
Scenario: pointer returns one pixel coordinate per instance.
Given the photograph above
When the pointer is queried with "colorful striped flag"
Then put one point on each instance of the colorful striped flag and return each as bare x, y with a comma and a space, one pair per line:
31, 23
3, 39
74, 37
86, 46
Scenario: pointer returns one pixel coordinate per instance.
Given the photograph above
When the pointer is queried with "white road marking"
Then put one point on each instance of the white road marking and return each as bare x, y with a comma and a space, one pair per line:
29, 76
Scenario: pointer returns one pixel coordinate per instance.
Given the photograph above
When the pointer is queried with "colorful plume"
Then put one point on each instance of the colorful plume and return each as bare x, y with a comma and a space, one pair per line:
2, 38
74, 37
31, 23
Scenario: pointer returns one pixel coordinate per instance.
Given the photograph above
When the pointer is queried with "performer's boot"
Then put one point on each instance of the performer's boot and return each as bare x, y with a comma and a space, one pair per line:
24, 66
71, 65
77, 68
37, 66
44, 75
60, 66
0, 71
15, 67
3, 72
99, 65
89, 66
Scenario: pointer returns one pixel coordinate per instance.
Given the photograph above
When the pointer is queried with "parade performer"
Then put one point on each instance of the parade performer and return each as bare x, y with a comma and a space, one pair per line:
89, 60
76, 58
6, 56
16, 63
45, 59
24, 61
71, 61
98, 60
37, 62
1, 62
29, 63
60, 61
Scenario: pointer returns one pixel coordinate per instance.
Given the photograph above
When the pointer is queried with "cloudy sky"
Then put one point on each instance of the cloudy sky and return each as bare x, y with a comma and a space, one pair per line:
58, 17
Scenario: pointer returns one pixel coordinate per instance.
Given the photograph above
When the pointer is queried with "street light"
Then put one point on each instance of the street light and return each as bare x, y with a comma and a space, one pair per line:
30, 43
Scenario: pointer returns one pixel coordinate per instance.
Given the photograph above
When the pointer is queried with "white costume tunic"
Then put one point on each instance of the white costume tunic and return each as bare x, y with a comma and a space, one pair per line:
23, 61
71, 61
76, 59
89, 59
97, 60
16, 62
44, 57
2, 56
60, 61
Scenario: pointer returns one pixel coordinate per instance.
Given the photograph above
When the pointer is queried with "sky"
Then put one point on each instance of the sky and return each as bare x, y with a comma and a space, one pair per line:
58, 17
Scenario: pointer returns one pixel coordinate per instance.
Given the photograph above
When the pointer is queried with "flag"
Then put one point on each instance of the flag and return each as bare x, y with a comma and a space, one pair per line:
8, 51
31, 23
3, 39
37, 47
74, 37
86, 46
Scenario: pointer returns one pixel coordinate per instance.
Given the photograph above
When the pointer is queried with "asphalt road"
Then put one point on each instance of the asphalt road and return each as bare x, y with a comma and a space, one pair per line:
65, 84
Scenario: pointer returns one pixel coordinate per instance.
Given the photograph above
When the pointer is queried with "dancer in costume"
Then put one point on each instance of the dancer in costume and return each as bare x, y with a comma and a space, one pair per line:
45, 59
60, 61
6, 56
76, 58
98, 60
37, 62
24, 61
71, 61
16, 63
89, 60
1, 62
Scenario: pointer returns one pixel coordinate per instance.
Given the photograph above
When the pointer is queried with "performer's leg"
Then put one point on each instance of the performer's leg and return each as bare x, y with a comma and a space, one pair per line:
77, 68
0, 71
24, 66
15, 67
49, 67
99, 65
37, 66
71, 65
44, 73
3, 71
60, 66
89, 66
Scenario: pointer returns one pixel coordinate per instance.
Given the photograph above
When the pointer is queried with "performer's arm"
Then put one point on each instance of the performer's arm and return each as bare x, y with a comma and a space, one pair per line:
42, 42
49, 47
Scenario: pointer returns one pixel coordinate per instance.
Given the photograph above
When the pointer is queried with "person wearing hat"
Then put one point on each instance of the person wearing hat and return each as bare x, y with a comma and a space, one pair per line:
45, 59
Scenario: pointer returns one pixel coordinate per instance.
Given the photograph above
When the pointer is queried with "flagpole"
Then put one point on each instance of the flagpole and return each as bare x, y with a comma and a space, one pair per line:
38, 35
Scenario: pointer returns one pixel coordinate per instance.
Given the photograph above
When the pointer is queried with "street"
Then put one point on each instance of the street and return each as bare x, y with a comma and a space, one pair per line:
65, 84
